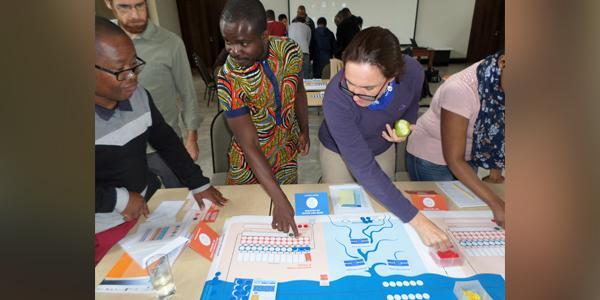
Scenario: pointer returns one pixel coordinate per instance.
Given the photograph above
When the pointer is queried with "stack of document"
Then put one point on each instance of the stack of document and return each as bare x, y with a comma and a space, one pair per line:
314, 85
160, 234
461, 195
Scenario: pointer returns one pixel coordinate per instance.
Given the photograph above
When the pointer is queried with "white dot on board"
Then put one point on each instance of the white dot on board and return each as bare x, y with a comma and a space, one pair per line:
411, 296
419, 296
419, 282
413, 283
425, 296
385, 284
397, 297
390, 297
406, 283
392, 284
404, 297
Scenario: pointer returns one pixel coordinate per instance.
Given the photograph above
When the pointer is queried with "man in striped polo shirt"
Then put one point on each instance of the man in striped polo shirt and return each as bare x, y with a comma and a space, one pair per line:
126, 120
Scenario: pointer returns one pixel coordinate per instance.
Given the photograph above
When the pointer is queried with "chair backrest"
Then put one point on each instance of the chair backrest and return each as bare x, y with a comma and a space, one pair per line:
220, 139
326, 72
335, 65
400, 157
206, 75
401, 170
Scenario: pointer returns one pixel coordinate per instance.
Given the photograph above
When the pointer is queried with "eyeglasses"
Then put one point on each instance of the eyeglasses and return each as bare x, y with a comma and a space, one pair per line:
361, 96
128, 8
127, 73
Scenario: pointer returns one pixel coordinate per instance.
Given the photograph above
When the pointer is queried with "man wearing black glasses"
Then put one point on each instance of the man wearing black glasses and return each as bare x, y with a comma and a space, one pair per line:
167, 77
126, 121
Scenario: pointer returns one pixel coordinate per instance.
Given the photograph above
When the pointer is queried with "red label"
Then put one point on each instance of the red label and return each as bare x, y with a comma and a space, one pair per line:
423, 201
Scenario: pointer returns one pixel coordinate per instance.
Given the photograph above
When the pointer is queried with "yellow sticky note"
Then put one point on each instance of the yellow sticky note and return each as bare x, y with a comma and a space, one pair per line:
346, 197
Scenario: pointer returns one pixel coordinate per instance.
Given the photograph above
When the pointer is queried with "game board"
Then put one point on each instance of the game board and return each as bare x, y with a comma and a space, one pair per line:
372, 256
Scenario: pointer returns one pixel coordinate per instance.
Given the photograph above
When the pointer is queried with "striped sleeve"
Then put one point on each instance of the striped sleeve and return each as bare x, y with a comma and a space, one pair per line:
292, 57
231, 100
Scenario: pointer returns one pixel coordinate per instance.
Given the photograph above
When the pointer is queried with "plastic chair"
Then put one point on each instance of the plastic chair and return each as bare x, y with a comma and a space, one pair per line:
326, 72
220, 139
401, 171
207, 76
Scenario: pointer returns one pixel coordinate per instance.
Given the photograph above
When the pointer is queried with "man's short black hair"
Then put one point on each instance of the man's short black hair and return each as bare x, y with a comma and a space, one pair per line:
270, 15
281, 17
251, 11
106, 28
322, 21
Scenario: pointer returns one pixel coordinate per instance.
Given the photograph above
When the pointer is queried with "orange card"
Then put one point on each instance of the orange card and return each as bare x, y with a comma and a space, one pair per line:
426, 201
204, 240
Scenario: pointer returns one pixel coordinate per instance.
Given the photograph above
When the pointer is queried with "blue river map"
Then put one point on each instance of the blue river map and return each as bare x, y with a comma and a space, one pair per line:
367, 257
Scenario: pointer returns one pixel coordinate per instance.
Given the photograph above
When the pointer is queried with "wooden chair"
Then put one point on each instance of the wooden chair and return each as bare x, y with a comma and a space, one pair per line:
335, 65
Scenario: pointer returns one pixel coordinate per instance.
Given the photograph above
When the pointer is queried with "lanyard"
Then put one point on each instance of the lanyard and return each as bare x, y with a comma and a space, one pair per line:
273, 80
385, 99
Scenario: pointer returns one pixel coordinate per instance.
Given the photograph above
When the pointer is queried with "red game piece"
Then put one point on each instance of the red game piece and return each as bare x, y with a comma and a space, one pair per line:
447, 254
448, 258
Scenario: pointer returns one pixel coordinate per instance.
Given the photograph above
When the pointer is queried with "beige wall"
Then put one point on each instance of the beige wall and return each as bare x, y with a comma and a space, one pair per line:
167, 15
102, 10
279, 7
443, 23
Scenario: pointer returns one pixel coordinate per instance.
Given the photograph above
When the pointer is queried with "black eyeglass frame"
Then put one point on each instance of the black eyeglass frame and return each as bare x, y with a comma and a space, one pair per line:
350, 93
132, 69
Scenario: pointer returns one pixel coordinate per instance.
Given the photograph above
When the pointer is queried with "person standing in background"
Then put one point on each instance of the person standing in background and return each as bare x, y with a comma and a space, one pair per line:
324, 45
167, 76
349, 25
275, 28
301, 13
283, 19
301, 34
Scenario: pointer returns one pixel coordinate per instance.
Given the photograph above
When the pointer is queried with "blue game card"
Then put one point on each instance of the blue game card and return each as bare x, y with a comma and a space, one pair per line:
312, 204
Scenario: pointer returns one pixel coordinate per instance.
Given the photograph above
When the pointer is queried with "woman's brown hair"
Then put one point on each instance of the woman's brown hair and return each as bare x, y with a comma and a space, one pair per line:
376, 46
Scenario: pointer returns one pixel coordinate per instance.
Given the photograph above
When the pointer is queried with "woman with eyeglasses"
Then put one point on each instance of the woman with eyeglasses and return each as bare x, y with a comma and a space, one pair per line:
377, 86
463, 129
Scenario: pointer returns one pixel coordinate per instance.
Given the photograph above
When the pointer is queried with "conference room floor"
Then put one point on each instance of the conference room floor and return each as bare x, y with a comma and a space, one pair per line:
309, 168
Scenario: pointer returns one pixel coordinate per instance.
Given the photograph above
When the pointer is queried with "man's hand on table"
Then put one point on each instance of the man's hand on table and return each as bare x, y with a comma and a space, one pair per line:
283, 216
136, 206
430, 234
211, 194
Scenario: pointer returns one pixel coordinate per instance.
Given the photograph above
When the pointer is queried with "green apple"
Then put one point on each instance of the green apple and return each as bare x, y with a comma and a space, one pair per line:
402, 128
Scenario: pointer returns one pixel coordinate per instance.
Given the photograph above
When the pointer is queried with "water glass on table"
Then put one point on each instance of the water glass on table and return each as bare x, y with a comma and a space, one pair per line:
161, 277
